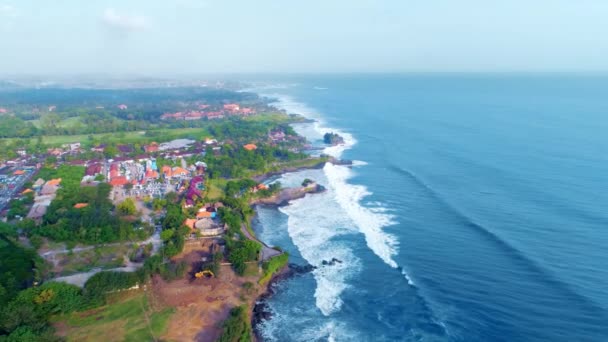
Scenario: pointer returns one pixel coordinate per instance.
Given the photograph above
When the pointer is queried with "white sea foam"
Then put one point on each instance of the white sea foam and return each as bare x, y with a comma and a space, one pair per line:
368, 222
359, 163
314, 220
312, 224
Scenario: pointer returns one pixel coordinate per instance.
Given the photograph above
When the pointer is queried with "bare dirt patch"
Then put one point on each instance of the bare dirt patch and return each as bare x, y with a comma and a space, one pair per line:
201, 304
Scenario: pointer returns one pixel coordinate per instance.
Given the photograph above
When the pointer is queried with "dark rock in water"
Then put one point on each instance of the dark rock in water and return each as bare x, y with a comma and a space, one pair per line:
301, 269
261, 312
332, 262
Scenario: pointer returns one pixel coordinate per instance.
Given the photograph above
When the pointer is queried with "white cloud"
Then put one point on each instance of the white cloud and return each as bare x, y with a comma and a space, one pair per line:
8, 11
127, 22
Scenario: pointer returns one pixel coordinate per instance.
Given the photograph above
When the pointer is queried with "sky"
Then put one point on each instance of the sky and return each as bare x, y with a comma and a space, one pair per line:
150, 37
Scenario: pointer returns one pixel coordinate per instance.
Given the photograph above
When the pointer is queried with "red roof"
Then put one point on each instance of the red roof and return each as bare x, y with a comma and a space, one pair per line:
250, 147
119, 181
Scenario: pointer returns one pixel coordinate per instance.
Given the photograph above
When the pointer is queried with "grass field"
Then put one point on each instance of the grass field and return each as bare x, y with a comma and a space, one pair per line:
129, 318
215, 189
100, 257
69, 122
125, 137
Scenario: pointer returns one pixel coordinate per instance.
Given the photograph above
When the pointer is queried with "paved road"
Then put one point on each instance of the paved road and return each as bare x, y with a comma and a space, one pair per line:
267, 252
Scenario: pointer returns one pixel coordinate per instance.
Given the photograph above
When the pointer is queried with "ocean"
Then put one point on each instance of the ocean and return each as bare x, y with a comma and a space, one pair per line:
476, 209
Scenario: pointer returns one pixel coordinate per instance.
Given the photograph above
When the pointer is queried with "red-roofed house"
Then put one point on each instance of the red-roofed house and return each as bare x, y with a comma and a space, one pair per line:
153, 147
166, 170
250, 147
180, 172
232, 107
119, 181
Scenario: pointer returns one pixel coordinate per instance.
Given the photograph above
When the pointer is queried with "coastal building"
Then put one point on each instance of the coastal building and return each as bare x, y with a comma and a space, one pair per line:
250, 147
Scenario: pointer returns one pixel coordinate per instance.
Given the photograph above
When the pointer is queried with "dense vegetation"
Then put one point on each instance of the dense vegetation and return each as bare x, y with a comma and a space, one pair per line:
173, 228
96, 110
19, 267
25, 318
272, 265
95, 223
237, 327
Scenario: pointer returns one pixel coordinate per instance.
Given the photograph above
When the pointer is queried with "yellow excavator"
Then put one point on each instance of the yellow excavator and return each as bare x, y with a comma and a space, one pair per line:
205, 273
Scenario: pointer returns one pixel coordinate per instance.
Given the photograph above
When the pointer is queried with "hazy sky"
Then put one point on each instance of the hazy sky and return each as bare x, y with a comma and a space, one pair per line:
200, 36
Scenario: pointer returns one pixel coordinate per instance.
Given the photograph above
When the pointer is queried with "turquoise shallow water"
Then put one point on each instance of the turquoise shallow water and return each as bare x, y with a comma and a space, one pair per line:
476, 212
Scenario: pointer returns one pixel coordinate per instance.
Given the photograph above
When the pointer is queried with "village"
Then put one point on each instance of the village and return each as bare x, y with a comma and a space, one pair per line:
179, 208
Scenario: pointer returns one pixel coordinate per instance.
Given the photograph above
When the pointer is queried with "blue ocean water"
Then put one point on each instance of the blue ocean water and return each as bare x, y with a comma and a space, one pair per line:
476, 210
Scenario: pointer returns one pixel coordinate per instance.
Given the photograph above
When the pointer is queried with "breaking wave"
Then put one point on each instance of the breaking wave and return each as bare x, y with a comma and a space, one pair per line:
313, 220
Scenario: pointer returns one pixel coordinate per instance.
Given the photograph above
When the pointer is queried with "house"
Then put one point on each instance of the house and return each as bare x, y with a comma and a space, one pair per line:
99, 148
190, 223
74, 146
166, 170
49, 189
19, 172
80, 205
200, 168
22, 152
26, 191
214, 115
250, 147
119, 181
205, 214
180, 172
93, 169
259, 187
232, 107
153, 147
38, 183
122, 107
151, 174
276, 135
247, 111
124, 149
114, 172
54, 182
55, 152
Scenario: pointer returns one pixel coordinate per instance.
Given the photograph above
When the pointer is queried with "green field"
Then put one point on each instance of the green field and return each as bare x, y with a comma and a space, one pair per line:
124, 137
69, 122
127, 319
215, 189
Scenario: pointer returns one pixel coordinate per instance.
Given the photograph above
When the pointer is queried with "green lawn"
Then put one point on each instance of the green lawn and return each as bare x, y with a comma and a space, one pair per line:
215, 189
128, 319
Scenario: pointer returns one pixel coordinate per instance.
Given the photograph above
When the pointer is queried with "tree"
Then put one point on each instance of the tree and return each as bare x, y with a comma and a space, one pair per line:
127, 207
166, 235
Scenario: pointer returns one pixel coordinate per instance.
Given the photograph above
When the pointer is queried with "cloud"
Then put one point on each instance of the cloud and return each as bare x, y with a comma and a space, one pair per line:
125, 22
8, 11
